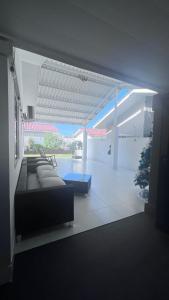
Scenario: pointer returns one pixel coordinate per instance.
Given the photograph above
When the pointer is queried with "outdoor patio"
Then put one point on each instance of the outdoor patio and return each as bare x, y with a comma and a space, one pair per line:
112, 196
107, 116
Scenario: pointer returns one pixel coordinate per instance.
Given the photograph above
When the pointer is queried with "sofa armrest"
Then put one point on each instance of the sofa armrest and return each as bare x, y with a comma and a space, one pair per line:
44, 207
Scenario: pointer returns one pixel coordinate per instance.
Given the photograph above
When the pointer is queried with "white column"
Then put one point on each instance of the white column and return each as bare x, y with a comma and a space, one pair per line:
84, 144
116, 136
115, 150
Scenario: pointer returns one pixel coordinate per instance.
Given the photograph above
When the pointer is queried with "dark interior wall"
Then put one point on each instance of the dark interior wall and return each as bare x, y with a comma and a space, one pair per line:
5, 255
159, 146
123, 39
9, 167
158, 201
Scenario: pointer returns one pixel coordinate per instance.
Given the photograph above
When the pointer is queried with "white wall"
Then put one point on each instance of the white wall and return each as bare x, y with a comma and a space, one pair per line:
18, 66
129, 152
27, 69
134, 127
97, 149
129, 149
30, 74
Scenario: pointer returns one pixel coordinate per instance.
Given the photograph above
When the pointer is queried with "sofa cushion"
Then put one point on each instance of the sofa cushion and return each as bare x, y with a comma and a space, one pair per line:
51, 181
32, 182
36, 159
44, 167
46, 173
42, 162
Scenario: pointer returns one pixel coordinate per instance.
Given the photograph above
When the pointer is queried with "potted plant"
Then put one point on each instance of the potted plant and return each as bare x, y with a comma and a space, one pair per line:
143, 174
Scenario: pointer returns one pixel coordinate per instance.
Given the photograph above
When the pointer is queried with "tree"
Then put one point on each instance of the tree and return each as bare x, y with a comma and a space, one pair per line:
37, 148
52, 141
143, 175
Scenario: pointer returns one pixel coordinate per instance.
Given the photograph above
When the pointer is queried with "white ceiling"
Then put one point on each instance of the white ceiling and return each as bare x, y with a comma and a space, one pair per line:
62, 93
71, 95
124, 39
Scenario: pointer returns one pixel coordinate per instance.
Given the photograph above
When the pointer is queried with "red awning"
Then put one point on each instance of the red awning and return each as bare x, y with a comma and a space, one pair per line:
38, 127
93, 132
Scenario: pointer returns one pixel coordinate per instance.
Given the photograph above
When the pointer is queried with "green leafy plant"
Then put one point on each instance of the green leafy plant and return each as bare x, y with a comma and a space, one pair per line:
37, 148
53, 141
143, 175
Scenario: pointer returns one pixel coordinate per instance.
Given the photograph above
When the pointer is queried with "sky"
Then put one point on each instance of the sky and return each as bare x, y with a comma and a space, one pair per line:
66, 129
69, 130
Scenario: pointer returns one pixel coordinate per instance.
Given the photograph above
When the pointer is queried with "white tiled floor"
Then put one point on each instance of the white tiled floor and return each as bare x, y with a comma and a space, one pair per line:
112, 196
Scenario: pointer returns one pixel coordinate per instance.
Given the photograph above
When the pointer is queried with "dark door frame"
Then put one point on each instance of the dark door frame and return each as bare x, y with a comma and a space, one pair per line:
160, 149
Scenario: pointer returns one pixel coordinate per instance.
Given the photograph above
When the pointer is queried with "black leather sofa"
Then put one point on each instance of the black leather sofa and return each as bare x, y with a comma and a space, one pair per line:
38, 207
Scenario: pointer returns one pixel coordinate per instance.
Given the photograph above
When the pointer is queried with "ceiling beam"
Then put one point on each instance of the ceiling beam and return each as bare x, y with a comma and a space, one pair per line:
61, 109
59, 99
57, 121
59, 115
47, 85
42, 118
65, 113
81, 76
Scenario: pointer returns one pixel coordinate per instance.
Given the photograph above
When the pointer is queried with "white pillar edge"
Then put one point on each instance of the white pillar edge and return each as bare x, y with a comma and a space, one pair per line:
116, 136
84, 144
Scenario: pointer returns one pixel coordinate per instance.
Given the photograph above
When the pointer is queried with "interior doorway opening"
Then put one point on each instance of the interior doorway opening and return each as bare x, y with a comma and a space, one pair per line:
94, 125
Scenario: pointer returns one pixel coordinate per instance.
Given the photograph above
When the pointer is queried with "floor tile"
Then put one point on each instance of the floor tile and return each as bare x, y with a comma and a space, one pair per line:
112, 196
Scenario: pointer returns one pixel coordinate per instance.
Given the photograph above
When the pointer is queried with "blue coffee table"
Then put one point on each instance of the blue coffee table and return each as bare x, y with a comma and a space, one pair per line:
81, 182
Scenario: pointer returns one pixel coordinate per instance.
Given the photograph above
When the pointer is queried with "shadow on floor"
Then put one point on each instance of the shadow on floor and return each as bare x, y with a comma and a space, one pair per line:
127, 259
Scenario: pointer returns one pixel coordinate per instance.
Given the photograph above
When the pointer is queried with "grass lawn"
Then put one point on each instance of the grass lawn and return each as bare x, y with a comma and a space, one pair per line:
67, 155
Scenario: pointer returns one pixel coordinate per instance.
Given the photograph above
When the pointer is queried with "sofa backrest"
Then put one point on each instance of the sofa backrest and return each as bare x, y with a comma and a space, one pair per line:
22, 180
